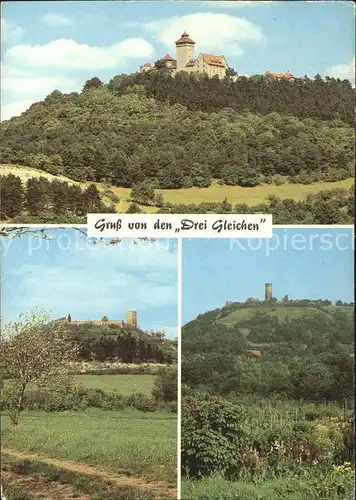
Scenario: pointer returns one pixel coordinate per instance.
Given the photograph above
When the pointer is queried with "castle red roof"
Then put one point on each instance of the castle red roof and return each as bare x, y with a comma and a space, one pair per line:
167, 57
185, 39
213, 60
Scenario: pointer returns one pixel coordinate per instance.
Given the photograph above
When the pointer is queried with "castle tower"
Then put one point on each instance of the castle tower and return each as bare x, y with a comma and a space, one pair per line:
185, 51
131, 318
268, 292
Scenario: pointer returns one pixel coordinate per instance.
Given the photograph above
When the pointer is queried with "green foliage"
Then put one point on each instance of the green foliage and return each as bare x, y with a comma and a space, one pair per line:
305, 348
186, 130
166, 385
47, 201
12, 196
108, 342
212, 435
143, 194
80, 398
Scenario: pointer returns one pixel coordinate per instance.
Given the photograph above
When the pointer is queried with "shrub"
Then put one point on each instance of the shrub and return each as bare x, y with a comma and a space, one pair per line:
139, 401
166, 384
212, 436
111, 195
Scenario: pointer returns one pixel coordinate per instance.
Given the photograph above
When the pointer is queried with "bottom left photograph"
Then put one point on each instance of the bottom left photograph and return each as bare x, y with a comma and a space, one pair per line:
88, 366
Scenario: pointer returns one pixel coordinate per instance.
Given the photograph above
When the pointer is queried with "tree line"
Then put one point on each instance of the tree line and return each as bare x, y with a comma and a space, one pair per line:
317, 98
45, 199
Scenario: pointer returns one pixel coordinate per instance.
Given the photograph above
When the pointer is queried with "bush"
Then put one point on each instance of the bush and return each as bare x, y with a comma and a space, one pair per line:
111, 195
166, 385
140, 402
212, 436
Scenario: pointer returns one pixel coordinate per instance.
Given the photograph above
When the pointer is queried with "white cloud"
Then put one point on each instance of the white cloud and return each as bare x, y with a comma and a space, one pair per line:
14, 109
23, 87
32, 84
343, 71
56, 20
10, 32
235, 4
214, 32
69, 274
65, 53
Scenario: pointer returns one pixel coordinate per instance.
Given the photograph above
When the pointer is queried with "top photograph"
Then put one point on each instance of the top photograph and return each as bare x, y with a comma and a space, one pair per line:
177, 107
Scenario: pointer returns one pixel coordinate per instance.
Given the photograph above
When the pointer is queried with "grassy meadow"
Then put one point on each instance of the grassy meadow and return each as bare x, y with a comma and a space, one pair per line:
128, 442
124, 384
94, 453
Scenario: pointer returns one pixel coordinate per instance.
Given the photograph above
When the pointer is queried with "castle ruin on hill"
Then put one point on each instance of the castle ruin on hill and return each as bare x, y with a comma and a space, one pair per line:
131, 321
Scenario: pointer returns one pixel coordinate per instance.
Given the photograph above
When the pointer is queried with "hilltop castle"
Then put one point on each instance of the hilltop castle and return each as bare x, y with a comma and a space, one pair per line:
131, 321
210, 64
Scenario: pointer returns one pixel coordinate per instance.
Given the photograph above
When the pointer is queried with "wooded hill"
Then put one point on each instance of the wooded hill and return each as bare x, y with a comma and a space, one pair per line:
299, 350
128, 345
187, 130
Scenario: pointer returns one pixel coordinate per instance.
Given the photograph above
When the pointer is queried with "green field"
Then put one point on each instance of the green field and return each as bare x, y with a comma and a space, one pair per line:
129, 441
249, 195
123, 384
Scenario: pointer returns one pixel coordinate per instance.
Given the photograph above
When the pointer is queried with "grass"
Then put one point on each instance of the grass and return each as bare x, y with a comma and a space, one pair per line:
142, 444
218, 488
215, 193
123, 384
53, 476
281, 313
249, 195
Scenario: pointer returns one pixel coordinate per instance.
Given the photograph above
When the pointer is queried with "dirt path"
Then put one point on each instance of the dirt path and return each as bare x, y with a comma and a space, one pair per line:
41, 487
160, 490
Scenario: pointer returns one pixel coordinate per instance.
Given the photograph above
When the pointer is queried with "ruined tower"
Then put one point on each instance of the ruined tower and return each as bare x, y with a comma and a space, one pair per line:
185, 51
268, 292
131, 318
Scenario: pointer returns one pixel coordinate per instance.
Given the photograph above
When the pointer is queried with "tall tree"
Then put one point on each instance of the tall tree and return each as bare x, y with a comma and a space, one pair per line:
36, 351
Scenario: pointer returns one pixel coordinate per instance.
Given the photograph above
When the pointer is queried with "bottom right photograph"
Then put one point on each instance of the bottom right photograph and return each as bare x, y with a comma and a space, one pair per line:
267, 377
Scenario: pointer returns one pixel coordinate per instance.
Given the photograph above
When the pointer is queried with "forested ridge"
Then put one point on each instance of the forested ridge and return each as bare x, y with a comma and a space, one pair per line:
128, 345
188, 130
304, 350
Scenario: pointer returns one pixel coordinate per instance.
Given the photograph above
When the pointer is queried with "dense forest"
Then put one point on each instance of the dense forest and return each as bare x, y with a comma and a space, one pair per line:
188, 130
304, 351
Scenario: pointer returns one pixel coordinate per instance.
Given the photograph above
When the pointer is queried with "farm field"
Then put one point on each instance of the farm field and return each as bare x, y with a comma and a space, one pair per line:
124, 384
128, 442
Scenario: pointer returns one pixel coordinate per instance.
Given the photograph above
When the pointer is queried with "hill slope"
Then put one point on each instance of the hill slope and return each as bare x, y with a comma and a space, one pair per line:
121, 134
297, 350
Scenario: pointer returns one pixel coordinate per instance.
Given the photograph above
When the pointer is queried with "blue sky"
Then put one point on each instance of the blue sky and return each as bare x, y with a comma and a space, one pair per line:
302, 263
67, 274
58, 45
